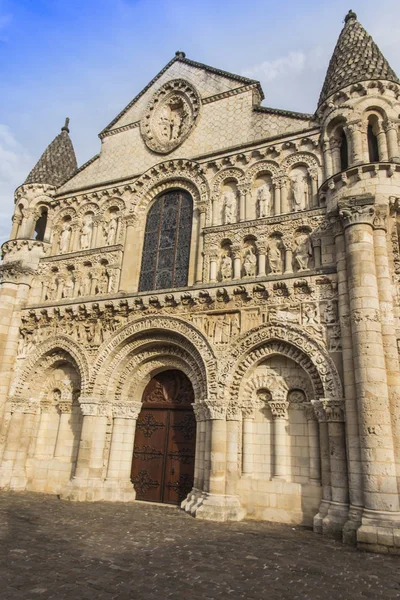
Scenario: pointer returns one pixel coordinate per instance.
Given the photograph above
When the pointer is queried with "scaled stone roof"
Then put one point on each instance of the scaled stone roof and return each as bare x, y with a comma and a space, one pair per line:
57, 163
356, 58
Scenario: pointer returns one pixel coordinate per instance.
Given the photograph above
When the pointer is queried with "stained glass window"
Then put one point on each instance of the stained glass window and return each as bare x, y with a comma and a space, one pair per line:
166, 248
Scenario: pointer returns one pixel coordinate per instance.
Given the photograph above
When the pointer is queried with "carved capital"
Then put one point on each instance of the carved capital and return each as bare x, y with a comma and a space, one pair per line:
243, 188
130, 220
334, 409
233, 413
65, 407
200, 411
126, 410
23, 405
215, 409
89, 409
388, 125
319, 410
279, 409
380, 219
353, 213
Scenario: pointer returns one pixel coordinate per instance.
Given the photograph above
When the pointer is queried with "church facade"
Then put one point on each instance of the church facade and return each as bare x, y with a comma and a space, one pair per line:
207, 312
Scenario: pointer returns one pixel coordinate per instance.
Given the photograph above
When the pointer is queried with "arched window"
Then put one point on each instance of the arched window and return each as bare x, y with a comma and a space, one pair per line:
165, 259
373, 150
40, 226
344, 152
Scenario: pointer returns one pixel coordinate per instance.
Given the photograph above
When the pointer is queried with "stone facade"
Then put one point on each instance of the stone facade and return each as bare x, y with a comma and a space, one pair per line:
282, 309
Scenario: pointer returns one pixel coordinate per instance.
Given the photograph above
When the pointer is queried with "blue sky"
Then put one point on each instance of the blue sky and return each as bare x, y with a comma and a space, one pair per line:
87, 59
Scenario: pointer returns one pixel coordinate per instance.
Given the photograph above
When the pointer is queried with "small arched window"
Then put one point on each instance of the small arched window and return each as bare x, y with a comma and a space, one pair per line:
166, 248
40, 226
373, 150
344, 152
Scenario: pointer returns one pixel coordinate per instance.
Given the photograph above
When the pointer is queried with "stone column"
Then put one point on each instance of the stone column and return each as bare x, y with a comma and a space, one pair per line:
213, 268
118, 485
391, 129
131, 260
28, 224
233, 419
87, 484
96, 232
288, 258
216, 505
194, 498
381, 501
335, 155
316, 243
313, 446
355, 131
64, 431
277, 196
42, 448
247, 440
200, 244
237, 262
314, 188
26, 410
352, 432
328, 167
243, 191
382, 144
388, 326
279, 410
16, 223
285, 207
339, 506
262, 259
214, 212
325, 467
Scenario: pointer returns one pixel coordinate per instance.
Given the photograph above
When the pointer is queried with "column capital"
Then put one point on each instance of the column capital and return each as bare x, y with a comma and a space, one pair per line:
200, 411
215, 409
65, 407
279, 408
319, 410
380, 220
354, 212
389, 124
243, 188
130, 219
202, 209
334, 409
233, 413
126, 410
24, 405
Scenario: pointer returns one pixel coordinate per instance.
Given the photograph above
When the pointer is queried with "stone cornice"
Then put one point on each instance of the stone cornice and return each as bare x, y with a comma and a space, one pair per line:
80, 253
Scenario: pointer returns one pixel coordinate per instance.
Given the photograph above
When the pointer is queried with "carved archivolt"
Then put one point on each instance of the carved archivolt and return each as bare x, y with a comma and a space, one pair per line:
49, 353
226, 174
300, 158
290, 341
264, 166
112, 203
144, 332
251, 385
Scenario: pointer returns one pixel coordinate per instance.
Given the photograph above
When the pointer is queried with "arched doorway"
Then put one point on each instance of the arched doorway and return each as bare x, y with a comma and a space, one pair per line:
164, 450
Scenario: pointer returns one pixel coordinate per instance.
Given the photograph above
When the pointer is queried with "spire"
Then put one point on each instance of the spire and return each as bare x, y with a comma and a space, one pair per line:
356, 58
57, 163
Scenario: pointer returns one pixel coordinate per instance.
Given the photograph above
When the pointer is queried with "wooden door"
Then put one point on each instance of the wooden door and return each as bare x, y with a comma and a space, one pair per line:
164, 450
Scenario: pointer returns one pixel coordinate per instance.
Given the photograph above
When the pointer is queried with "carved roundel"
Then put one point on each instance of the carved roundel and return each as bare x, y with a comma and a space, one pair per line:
170, 116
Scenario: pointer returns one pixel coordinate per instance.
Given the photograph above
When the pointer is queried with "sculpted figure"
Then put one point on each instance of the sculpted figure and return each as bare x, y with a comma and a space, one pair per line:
68, 290
110, 231
52, 290
86, 284
235, 325
65, 237
86, 232
102, 286
226, 267
302, 252
330, 313
264, 200
298, 185
310, 315
229, 204
218, 330
250, 263
226, 329
274, 256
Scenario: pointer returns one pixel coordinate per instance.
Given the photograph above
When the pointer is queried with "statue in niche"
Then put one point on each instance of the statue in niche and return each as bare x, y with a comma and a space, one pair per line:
65, 237
218, 330
302, 251
229, 204
330, 315
171, 119
264, 200
68, 290
250, 262
52, 290
274, 256
110, 230
235, 325
226, 267
226, 329
310, 314
299, 189
86, 284
103, 283
86, 232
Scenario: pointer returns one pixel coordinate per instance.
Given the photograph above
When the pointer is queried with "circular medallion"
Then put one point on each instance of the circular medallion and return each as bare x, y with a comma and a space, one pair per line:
170, 116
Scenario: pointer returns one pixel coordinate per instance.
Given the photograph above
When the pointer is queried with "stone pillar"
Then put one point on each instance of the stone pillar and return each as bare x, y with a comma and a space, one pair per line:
200, 244
316, 243
382, 144
213, 268
214, 212
216, 505
28, 224
96, 234
285, 207
20, 437
337, 516
288, 258
279, 410
194, 498
87, 484
42, 447
130, 264
314, 188
247, 440
237, 262
388, 326
391, 129
243, 191
352, 432
328, 167
381, 501
355, 131
118, 485
16, 223
277, 196
313, 446
262, 259
64, 431
233, 419
325, 467
335, 155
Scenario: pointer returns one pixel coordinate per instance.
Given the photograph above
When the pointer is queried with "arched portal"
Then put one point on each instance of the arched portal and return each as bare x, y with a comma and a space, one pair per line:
165, 440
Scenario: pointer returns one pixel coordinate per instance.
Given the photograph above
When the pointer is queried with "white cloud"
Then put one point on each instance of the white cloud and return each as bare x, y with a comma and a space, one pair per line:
269, 70
15, 164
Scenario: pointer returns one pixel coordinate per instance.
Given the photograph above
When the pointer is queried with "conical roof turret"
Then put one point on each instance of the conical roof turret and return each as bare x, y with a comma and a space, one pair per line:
57, 163
356, 58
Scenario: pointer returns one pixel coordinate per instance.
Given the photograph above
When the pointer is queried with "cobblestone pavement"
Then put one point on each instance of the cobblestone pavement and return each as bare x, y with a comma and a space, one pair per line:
55, 549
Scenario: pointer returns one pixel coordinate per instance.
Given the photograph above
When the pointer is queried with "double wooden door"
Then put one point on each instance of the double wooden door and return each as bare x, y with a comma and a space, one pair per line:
164, 450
